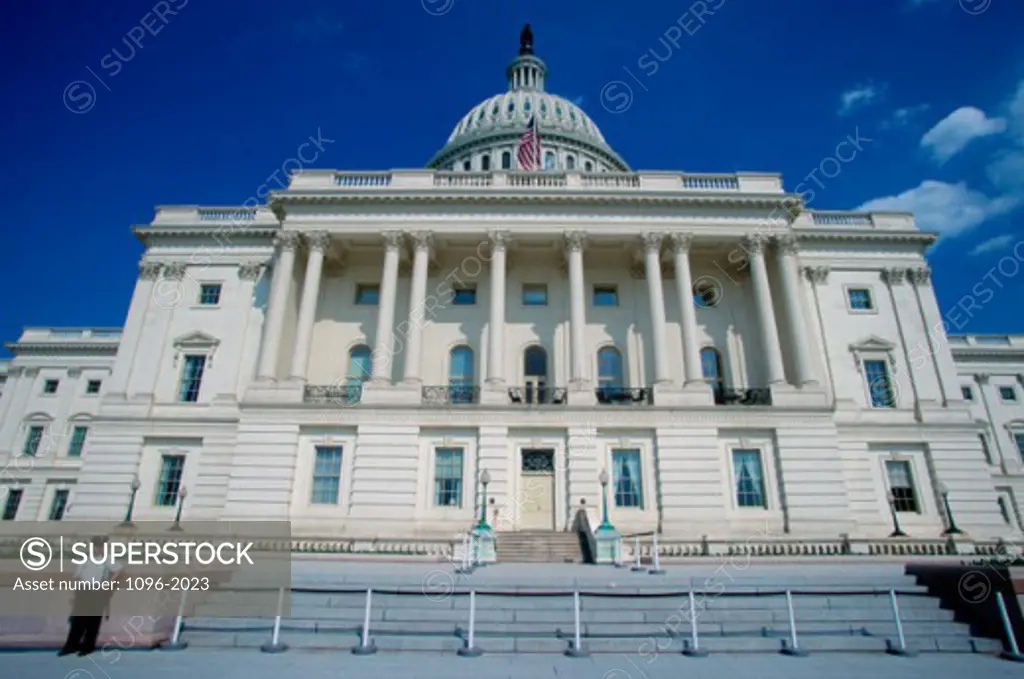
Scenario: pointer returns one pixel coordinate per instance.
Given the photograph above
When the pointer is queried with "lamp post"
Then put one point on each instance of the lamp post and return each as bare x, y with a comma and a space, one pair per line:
897, 532
136, 484
485, 478
182, 493
603, 478
952, 528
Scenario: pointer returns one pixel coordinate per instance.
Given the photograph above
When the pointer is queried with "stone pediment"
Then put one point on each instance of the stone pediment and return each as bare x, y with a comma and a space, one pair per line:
872, 343
196, 340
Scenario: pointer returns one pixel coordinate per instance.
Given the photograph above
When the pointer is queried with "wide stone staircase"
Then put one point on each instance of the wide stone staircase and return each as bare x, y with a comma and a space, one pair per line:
538, 547
530, 609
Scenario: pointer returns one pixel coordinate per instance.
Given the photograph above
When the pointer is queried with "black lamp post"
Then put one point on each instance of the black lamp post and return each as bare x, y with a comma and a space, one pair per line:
952, 528
127, 523
182, 493
603, 478
485, 478
897, 532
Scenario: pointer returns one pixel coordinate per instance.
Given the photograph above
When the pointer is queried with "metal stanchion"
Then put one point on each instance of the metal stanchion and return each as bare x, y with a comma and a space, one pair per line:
693, 650
901, 647
636, 555
366, 645
655, 563
793, 648
275, 645
470, 650
576, 650
176, 644
1014, 652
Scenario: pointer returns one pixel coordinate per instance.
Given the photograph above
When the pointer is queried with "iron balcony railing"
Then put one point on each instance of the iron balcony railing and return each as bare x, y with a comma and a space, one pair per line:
624, 395
742, 396
341, 395
451, 394
530, 395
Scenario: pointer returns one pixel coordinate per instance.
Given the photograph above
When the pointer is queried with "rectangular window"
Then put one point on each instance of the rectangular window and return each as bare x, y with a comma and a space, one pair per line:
171, 469
368, 294
448, 477
860, 299
749, 478
535, 294
326, 475
209, 294
967, 393
985, 448
93, 386
50, 386
606, 295
191, 378
32, 441
629, 490
58, 505
77, 441
1008, 394
879, 386
1018, 438
464, 295
12, 503
901, 485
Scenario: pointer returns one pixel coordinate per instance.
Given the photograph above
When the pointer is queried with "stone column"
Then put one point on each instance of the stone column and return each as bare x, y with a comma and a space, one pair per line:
574, 242
681, 243
117, 383
423, 241
790, 270
383, 356
656, 297
754, 248
496, 358
318, 244
280, 288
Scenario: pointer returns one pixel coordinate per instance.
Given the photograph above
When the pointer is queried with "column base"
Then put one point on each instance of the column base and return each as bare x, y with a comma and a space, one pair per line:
494, 394
272, 391
673, 396
808, 396
581, 393
383, 393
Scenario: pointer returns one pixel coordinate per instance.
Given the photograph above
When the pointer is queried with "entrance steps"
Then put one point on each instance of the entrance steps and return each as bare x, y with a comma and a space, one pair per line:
519, 609
538, 547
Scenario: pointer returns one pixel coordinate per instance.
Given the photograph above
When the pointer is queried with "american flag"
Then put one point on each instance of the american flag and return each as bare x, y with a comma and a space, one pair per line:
528, 152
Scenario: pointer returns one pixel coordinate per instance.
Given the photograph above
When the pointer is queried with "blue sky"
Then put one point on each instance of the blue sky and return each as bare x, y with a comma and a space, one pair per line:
208, 102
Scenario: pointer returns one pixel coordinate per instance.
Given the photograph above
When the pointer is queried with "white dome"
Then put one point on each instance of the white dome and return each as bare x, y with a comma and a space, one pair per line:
491, 129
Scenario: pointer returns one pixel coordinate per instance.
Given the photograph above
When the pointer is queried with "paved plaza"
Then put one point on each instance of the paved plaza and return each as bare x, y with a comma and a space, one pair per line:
251, 664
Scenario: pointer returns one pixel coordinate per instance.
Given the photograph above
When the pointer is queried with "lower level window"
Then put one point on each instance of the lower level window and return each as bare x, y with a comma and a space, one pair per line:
749, 478
58, 505
448, 477
170, 480
12, 504
901, 485
326, 475
1018, 438
629, 491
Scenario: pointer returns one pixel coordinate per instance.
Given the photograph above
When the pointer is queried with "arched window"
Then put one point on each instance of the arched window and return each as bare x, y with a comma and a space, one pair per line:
588, 166
360, 369
609, 372
549, 160
711, 368
460, 375
535, 369
706, 292
506, 160
467, 165
485, 163
570, 163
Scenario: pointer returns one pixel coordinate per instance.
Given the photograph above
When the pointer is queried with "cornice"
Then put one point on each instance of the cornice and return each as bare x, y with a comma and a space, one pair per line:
106, 348
144, 231
925, 237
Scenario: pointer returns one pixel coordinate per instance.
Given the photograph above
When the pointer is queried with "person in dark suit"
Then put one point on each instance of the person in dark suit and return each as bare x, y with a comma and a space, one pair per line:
91, 603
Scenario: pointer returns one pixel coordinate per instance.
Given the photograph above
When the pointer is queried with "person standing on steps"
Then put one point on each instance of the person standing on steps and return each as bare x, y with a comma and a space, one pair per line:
91, 603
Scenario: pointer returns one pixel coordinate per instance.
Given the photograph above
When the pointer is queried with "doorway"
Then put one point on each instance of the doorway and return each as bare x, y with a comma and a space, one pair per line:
537, 481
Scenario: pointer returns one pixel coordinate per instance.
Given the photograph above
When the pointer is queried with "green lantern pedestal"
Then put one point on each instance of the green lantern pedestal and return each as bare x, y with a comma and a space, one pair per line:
483, 544
609, 544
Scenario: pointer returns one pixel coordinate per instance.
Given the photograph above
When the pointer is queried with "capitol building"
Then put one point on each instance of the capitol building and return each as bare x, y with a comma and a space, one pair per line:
359, 354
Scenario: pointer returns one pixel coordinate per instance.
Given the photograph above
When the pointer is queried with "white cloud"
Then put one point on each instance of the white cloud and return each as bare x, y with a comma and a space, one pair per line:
951, 134
859, 96
902, 116
1006, 169
946, 208
992, 244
